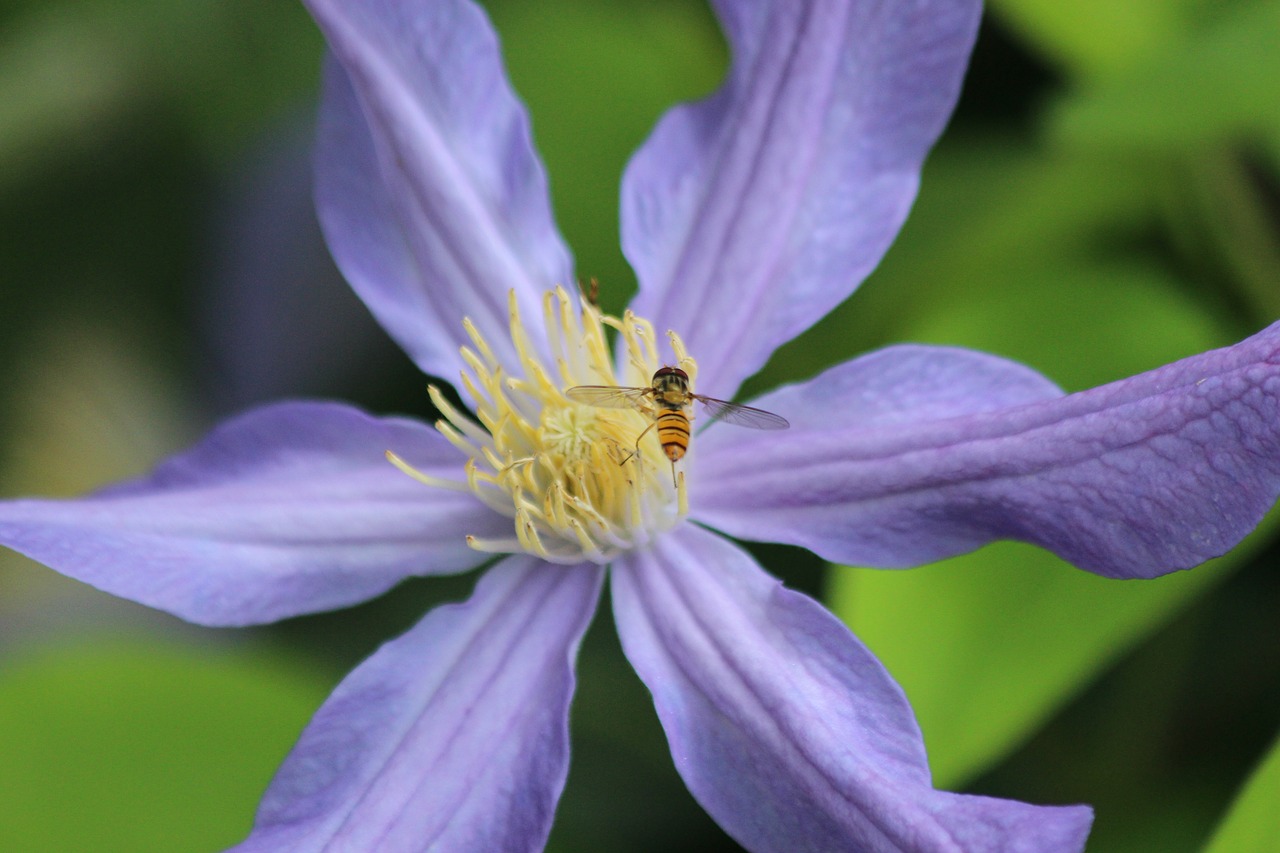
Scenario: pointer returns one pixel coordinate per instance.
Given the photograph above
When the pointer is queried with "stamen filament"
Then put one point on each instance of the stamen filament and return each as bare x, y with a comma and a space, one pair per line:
553, 465
456, 438
425, 479
481, 344
464, 424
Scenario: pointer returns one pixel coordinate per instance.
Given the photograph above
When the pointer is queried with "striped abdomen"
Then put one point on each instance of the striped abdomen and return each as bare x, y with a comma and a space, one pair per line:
673, 433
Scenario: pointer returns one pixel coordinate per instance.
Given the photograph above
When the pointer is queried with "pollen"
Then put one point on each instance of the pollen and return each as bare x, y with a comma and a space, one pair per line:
564, 472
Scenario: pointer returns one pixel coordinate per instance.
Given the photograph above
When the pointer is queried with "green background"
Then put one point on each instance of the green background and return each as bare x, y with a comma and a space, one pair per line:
1106, 200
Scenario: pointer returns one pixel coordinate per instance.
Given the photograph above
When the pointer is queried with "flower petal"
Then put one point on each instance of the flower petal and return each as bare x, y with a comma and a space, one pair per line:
1157, 472
784, 727
430, 193
750, 215
288, 509
454, 736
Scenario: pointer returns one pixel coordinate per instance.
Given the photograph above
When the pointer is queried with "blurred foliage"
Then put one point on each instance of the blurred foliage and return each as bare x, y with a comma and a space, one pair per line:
1253, 825
644, 56
1094, 38
150, 747
1106, 200
72, 72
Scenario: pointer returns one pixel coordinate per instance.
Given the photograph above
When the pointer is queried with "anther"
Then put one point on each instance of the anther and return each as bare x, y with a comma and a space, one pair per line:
550, 464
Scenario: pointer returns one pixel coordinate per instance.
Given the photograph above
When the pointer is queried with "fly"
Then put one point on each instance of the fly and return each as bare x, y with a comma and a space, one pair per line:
667, 400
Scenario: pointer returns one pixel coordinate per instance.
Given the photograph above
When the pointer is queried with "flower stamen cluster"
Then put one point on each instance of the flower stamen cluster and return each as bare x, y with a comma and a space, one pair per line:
558, 468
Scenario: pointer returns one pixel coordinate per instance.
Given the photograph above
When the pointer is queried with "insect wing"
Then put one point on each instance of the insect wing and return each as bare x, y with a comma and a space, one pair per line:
608, 396
746, 416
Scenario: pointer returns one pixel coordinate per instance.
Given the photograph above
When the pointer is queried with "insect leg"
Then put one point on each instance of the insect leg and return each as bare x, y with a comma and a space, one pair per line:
639, 437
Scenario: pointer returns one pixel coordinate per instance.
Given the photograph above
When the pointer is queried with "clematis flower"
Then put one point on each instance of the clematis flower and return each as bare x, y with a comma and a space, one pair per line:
746, 217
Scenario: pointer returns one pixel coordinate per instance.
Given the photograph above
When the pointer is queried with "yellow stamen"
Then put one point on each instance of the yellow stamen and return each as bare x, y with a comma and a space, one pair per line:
425, 479
551, 464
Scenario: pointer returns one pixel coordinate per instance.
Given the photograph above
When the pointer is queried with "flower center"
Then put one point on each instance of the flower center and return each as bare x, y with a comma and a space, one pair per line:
568, 474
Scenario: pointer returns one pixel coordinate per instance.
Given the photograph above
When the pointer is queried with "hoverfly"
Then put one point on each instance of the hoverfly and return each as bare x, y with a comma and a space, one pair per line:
666, 400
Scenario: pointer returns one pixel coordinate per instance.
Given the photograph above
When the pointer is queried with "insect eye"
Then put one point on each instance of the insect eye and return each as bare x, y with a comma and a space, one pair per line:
670, 371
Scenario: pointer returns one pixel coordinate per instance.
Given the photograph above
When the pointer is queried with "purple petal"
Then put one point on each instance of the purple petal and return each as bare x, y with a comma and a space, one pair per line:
288, 509
454, 736
428, 188
752, 214
1154, 473
785, 728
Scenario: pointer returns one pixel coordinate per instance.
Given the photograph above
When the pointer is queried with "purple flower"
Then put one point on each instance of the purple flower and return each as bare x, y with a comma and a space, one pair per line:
746, 217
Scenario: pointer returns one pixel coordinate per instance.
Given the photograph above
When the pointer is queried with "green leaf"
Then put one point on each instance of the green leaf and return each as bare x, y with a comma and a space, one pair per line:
1098, 37
1081, 324
1252, 825
988, 644
1222, 217
117, 745
1216, 84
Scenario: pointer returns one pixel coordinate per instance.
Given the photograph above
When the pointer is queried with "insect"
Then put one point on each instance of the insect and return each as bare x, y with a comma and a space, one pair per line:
667, 399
